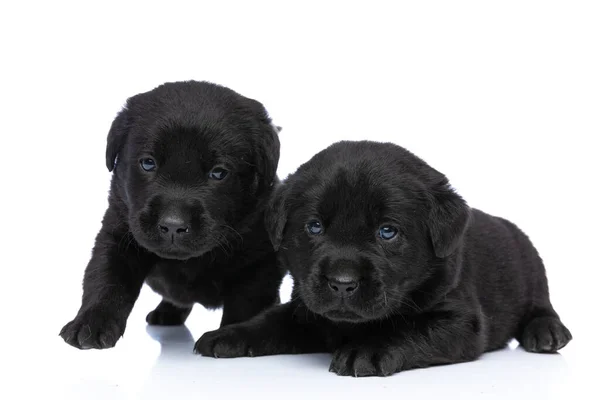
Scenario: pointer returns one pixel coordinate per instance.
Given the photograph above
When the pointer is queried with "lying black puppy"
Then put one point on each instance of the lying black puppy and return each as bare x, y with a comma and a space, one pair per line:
392, 270
194, 166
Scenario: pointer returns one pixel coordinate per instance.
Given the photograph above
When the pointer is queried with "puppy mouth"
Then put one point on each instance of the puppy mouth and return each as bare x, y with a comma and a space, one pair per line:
172, 251
174, 255
181, 254
342, 311
348, 309
343, 315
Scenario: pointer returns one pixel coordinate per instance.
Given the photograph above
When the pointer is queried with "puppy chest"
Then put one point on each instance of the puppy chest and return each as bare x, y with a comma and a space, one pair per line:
185, 286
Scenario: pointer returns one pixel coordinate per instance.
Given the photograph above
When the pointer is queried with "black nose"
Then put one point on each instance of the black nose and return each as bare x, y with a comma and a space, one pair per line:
172, 223
343, 285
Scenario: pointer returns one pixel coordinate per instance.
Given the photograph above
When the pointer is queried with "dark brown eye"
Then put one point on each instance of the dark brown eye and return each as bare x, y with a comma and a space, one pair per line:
218, 173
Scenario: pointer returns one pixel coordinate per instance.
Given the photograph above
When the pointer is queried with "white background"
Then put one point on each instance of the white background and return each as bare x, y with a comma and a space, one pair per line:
503, 97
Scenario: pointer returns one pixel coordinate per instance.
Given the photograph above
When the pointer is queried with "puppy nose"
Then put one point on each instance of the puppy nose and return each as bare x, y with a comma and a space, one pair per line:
172, 223
343, 285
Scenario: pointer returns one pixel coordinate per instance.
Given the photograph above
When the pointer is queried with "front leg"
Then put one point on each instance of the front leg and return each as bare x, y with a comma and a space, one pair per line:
111, 285
284, 329
251, 292
435, 338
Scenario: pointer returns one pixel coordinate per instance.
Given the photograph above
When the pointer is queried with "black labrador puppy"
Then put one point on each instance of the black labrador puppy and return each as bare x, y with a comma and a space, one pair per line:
194, 165
393, 270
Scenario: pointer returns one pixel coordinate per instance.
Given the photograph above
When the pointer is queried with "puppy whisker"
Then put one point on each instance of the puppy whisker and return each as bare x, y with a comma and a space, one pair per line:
224, 244
239, 235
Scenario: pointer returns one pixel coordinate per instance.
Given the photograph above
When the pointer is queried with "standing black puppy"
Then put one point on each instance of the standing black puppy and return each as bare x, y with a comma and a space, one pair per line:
194, 165
392, 270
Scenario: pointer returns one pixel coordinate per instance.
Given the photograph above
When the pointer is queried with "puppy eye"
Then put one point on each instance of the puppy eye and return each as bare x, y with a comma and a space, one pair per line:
314, 228
148, 164
387, 232
218, 173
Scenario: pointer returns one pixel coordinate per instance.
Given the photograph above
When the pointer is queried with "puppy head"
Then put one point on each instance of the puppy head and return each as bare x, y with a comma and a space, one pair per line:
368, 230
191, 161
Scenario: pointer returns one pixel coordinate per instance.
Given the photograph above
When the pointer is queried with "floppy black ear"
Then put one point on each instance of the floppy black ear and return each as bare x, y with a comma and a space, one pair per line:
267, 146
267, 157
116, 139
276, 215
448, 219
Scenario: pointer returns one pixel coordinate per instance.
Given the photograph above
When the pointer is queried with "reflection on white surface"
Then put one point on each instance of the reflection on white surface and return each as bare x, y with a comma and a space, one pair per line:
158, 363
508, 372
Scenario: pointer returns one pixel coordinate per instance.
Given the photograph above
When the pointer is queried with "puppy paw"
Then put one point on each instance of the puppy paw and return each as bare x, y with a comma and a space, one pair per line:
227, 342
545, 335
161, 317
366, 360
92, 330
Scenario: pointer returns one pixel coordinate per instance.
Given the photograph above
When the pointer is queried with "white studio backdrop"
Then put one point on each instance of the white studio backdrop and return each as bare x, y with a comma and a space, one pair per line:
503, 97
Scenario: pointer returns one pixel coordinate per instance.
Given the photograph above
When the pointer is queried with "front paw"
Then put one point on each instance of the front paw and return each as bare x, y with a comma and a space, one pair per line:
545, 335
366, 360
164, 318
92, 330
228, 342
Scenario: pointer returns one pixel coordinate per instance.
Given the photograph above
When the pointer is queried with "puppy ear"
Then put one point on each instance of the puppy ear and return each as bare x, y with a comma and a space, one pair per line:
448, 219
268, 157
267, 147
276, 215
116, 139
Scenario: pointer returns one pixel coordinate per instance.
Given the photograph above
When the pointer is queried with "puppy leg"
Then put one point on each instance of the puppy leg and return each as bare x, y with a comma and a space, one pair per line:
432, 339
541, 330
111, 285
252, 292
283, 329
168, 314
244, 306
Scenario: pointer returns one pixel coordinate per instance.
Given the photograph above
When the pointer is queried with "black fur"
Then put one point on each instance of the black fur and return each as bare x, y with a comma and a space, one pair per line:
222, 256
454, 283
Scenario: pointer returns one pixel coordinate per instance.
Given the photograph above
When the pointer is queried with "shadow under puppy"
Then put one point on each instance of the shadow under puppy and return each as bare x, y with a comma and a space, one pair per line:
194, 166
393, 270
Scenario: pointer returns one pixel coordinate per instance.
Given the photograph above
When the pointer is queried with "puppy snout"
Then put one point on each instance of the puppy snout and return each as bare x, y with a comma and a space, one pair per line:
343, 285
173, 224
